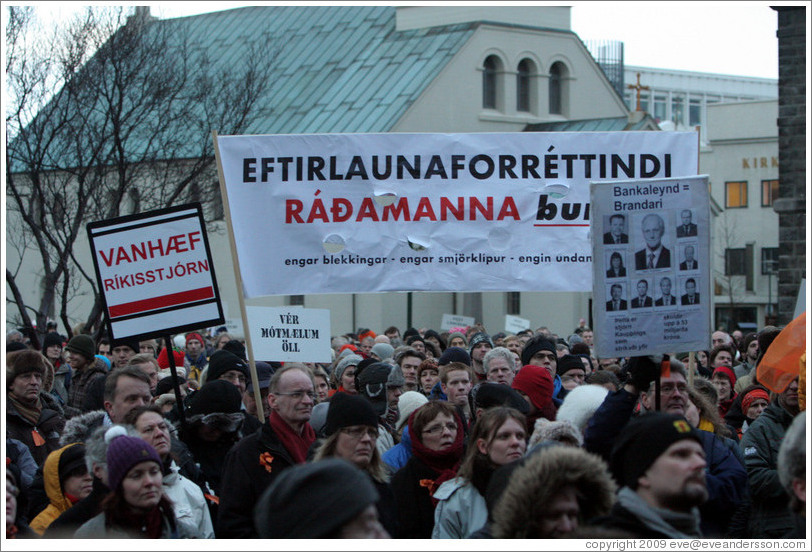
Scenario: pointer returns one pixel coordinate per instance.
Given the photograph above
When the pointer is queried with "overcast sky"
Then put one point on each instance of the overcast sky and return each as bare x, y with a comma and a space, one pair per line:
733, 38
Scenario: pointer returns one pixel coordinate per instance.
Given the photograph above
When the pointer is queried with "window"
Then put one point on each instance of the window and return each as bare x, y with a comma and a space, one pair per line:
769, 192
490, 82
735, 262
695, 112
678, 110
769, 260
735, 194
524, 86
558, 75
660, 108
514, 303
296, 300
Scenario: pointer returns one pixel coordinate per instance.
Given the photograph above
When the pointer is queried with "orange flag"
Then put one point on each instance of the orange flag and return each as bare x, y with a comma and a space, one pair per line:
781, 363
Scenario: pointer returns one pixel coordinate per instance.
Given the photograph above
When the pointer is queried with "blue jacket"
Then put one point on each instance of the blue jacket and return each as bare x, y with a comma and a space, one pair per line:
726, 477
397, 456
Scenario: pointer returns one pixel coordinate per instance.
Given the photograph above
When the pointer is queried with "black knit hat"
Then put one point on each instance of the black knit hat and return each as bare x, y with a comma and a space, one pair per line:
71, 461
642, 441
371, 383
51, 338
83, 345
349, 410
489, 394
569, 362
335, 491
133, 344
477, 338
536, 344
165, 385
454, 354
235, 347
222, 361
218, 396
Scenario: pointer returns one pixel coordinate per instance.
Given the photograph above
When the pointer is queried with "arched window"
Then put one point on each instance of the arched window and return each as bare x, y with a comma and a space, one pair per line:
524, 86
490, 82
558, 74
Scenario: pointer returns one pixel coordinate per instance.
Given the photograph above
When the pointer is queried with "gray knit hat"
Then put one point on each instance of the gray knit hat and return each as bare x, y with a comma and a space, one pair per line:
349, 360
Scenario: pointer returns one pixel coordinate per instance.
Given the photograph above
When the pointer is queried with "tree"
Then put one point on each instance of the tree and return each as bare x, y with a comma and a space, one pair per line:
128, 130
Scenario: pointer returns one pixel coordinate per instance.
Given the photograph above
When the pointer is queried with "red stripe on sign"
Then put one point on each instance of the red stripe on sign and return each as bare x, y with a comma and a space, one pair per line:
171, 300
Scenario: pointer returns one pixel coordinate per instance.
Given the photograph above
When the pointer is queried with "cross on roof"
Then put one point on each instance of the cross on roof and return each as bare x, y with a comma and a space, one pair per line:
638, 87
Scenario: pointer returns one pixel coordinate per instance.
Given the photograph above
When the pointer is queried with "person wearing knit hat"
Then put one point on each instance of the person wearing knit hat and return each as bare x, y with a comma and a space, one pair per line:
195, 358
382, 352
228, 366
535, 385
163, 364
32, 415
58, 381
52, 347
408, 402
753, 400
572, 372
137, 507
86, 369
236, 347
122, 350
454, 354
478, 347
723, 379
488, 394
457, 339
340, 504
66, 481
540, 351
382, 384
559, 431
344, 374
659, 463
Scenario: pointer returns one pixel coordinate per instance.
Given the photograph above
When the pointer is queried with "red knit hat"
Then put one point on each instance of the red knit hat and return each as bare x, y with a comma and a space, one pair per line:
725, 371
535, 382
757, 393
197, 336
163, 359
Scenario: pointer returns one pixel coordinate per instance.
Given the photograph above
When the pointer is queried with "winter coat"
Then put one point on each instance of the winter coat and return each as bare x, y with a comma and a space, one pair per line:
50, 425
633, 516
415, 507
21, 457
188, 503
534, 484
97, 528
58, 501
770, 514
397, 456
82, 382
725, 476
66, 524
250, 467
461, 510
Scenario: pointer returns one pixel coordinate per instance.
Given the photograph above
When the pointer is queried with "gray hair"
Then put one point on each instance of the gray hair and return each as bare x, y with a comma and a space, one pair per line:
96, 446
498, 352
792, 458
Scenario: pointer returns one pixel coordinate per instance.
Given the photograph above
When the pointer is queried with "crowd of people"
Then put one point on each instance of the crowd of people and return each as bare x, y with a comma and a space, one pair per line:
421, 435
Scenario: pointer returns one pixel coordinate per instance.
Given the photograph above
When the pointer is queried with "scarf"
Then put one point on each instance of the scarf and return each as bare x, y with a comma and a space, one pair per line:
31, 412
444, 462
674, 525
296, 445
149, 525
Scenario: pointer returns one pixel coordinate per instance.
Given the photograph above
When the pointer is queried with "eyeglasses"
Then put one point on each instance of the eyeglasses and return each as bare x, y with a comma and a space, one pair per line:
298, 395
357, 432
670, 387
438, 429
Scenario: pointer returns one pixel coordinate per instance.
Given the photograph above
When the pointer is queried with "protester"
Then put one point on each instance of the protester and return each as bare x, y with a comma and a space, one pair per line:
16, 528
32, 415
254, 463
86, 368
195, 360
397, 456
351, 431
556, 489
792, 473
188, 502
498, 438
535, 385
344, 374
340, 504
67, 481
435, 430
429, 375
136, 507
499, 366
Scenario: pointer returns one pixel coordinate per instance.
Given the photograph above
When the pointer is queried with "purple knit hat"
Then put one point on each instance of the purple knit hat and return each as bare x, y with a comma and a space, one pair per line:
124, 452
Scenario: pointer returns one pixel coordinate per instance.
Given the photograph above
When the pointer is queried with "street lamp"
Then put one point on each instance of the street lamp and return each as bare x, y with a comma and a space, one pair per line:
770, 267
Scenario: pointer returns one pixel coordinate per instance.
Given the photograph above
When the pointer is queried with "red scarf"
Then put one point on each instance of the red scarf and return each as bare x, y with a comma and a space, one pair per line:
296, 445
445, 462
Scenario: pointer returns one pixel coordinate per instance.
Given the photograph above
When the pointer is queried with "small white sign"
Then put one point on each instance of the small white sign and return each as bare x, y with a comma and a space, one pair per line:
290, 334
514, 324
456, 321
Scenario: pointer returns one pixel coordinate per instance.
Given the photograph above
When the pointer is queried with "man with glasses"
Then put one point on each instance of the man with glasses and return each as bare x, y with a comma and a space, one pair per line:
725, 473
254, 462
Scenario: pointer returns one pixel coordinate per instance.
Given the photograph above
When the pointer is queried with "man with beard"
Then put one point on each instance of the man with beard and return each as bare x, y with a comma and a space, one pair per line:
255, 461
726, 476
659, 463
478, 346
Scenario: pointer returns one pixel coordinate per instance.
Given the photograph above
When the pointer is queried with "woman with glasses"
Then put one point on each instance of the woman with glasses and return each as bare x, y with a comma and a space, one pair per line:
437, 446
351, 431
187, 498
498, 438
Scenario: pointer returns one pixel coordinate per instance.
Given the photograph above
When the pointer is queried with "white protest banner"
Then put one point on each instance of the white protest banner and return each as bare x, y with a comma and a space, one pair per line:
155, 272
290, 334
652, 277
515, 324
347, 213
456, 321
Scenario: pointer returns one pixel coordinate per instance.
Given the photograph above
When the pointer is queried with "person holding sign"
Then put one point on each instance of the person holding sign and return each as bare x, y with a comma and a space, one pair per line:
655, 255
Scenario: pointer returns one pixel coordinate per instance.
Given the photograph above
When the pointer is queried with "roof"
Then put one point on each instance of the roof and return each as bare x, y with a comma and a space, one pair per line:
339, 68
594, 125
